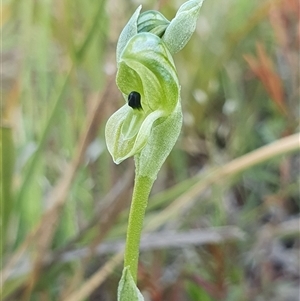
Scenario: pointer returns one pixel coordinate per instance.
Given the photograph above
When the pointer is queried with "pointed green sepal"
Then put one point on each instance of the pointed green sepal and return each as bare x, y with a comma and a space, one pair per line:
182, 26
128, 32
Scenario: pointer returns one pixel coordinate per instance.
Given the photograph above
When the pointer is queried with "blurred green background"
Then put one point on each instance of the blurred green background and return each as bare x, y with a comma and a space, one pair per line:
64, 204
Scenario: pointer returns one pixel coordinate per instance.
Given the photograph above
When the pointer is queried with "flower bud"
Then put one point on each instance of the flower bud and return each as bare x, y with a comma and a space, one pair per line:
152, 21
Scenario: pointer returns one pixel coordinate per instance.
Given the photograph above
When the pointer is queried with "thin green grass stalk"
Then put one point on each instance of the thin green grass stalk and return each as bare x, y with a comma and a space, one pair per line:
91, 33
45, 133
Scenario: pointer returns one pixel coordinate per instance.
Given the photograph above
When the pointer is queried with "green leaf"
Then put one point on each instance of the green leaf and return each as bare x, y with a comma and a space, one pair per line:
127, 289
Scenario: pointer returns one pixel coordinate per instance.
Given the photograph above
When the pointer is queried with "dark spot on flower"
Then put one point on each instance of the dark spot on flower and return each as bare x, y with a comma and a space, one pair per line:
134, 100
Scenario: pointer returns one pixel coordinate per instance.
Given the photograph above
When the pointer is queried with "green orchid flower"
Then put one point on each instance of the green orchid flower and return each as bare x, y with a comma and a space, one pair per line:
146, 75
147, 126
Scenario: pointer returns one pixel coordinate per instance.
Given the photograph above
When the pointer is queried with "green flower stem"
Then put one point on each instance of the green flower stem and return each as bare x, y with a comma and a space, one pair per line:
141, 191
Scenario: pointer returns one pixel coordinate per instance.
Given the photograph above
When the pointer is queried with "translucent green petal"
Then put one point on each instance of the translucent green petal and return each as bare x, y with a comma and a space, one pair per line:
125, 137
132, 123
113, 135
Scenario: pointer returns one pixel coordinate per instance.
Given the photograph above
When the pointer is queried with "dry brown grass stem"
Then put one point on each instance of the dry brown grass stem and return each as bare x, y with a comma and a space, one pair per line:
96, 279
279, 147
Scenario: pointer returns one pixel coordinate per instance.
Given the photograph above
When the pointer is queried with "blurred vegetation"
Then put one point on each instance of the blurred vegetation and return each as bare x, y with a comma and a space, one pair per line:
64, 204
